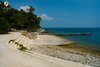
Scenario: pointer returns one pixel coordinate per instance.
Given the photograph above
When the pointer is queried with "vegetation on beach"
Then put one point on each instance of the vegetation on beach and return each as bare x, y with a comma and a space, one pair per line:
12, 40
11, 18
20, 46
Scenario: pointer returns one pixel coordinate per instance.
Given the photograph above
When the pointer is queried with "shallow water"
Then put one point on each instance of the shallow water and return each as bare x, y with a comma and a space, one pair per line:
92, 41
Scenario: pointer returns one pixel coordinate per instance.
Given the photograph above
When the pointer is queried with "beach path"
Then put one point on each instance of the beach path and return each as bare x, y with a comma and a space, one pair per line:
13, 58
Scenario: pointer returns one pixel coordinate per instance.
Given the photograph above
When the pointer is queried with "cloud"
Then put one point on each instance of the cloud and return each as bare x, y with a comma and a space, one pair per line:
25, 8
46, 17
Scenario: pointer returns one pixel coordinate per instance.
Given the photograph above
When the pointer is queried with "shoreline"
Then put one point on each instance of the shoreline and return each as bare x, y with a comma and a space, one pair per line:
80, 55
12, 57
84, 44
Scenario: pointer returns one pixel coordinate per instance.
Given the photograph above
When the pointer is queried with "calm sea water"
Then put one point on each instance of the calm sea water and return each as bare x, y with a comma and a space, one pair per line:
91, 40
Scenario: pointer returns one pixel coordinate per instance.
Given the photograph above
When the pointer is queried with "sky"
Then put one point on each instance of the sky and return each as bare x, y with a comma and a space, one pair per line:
63, 13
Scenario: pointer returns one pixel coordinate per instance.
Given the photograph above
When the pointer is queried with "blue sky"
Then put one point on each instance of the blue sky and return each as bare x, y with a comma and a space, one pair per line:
64, 13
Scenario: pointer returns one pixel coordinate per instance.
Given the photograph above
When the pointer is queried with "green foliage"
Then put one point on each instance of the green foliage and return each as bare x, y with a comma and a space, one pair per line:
16, 43
18, 19
22, 48
4, 26
12, 40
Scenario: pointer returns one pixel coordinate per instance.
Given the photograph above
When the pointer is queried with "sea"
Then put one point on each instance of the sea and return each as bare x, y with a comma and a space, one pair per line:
92, 41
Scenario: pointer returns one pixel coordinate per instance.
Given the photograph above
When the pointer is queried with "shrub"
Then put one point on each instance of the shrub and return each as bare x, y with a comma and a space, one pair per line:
22, 48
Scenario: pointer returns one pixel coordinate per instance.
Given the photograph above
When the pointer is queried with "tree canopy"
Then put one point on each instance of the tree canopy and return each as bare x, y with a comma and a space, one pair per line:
18, 19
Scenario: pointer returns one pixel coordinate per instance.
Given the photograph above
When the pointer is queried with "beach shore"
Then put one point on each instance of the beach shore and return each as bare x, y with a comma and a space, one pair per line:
11, 57
80, 55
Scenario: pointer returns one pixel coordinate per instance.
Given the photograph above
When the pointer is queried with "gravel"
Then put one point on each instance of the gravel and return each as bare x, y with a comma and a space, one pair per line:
72, 54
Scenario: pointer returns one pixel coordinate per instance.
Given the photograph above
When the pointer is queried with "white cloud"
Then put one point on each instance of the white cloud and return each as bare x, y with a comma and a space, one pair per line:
46, 17
25, 8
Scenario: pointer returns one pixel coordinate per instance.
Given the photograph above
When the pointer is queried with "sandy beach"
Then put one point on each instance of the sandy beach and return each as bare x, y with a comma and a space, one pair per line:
78, 55
11, 57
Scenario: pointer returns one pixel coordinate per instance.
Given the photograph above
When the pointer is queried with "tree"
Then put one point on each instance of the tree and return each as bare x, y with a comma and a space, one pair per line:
31, 9
4, 26
18, 19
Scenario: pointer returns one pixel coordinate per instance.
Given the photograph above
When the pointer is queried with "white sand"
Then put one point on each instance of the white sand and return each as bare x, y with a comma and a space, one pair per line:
14, 58
49, 40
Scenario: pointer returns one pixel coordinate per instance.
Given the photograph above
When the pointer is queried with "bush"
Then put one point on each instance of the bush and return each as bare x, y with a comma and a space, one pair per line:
22, 48
4, 26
